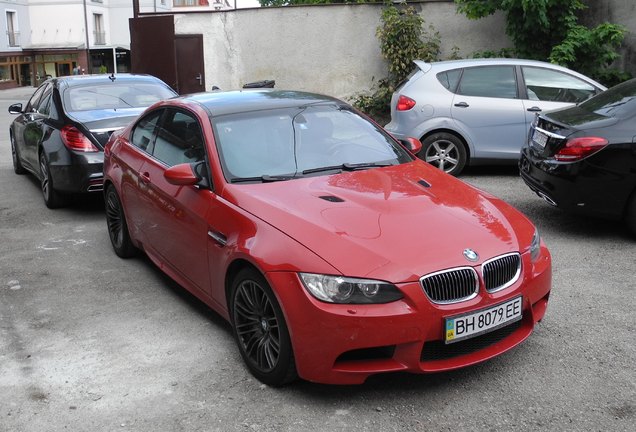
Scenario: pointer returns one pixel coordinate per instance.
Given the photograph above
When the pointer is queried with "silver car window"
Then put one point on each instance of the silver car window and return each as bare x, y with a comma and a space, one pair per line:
489, 81
551, 85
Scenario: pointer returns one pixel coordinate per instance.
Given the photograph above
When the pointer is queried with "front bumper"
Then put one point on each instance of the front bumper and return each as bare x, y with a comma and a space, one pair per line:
345, 344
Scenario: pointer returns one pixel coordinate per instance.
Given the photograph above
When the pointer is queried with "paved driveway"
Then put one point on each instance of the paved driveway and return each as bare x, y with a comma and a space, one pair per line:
89, 342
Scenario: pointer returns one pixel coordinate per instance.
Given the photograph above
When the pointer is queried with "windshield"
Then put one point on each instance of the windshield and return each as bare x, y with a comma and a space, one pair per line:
115, 95
619, 101
280, 144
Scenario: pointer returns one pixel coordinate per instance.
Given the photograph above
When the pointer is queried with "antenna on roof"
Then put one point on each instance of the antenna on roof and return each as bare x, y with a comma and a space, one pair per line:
112, 77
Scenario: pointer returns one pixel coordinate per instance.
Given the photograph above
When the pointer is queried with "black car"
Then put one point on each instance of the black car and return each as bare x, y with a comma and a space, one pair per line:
583, 158
60, 135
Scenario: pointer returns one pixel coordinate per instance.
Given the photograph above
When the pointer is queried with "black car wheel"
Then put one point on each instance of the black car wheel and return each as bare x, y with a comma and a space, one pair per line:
52, 198
444, 151
117, 227
17, 165
260, 329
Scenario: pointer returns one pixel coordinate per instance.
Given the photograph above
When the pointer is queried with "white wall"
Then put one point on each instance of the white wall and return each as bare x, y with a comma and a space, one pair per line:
328, 48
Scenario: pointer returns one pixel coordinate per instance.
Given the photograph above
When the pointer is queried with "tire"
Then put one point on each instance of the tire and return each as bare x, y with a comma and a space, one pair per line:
117, 226
17, 165
260, 330
52, 198
630, 214
444, 151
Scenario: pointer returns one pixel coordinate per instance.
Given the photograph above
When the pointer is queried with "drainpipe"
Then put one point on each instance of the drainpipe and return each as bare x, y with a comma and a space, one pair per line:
88, 52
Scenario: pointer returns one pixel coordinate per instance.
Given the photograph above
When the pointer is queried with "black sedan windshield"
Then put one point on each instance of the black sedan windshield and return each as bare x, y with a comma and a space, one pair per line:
619, 101
117, 95
294, 142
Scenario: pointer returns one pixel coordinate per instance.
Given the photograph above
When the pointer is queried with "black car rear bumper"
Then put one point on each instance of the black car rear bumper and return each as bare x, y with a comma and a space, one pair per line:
579, 187
81, 173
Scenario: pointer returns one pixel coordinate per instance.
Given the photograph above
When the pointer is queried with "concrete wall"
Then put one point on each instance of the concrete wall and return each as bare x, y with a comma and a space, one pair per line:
325, 48
617, 12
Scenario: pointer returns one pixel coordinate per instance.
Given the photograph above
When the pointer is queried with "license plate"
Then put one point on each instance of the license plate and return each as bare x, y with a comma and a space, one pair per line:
483, 321
539, 138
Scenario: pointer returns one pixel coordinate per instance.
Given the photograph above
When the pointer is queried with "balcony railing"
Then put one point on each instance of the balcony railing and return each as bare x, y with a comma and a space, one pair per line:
100, 38
14, 39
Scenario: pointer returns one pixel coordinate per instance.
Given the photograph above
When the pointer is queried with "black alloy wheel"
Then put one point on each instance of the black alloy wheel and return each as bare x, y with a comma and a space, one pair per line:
17, 165
117, 227
260, 329
444, 151
52, 198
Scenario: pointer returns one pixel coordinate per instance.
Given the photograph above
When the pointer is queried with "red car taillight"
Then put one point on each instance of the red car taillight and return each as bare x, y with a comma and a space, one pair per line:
405, 103
74, 139
579, 148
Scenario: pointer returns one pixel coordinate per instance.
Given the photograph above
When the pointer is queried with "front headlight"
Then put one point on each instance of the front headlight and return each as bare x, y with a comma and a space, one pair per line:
535, 246
340, 289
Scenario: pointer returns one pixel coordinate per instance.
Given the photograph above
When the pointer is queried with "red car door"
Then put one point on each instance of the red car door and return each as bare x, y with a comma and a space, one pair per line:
174, 217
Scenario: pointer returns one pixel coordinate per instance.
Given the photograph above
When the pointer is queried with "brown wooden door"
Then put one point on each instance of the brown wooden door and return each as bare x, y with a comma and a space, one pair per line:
190, 67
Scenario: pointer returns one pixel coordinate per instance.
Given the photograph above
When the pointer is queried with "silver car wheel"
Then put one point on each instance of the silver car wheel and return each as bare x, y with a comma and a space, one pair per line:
443, 154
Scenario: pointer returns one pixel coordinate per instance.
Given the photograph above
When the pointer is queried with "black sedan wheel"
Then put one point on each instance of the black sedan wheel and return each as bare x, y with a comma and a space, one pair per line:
260, 329
117, 227
17, 165
52, 198
444, 151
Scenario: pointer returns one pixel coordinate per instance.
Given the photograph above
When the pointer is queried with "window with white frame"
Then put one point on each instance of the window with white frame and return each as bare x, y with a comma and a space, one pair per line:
98, 26
13, 35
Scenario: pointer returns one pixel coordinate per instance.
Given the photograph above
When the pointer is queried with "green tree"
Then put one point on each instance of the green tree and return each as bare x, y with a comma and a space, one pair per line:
549, 30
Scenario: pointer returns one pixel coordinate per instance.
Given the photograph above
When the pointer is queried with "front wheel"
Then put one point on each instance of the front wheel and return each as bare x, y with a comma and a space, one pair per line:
260, 329
444, 151
117, 227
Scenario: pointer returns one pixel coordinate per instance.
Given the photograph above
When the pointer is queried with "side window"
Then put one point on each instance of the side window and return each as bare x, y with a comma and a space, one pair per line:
550, 85
179, 139
489, 81
142, 135
35, 99
449, 79
44, 106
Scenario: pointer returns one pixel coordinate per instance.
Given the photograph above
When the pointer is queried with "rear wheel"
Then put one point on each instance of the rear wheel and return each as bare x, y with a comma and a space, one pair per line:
17, 165
117, 227
52, 198
260, 329
444, 151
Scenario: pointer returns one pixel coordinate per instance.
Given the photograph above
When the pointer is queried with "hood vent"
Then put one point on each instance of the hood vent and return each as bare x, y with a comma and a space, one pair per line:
424, 183
331, 198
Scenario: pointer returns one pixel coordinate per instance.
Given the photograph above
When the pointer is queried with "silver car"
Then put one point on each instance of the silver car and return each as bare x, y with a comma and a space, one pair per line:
469, 112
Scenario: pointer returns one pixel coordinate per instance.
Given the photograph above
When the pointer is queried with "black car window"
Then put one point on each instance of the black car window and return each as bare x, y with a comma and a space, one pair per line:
35, 99
115, 95
142, 135
489, 81
550, 85
449, 79
179, 139
619, 101
44, 105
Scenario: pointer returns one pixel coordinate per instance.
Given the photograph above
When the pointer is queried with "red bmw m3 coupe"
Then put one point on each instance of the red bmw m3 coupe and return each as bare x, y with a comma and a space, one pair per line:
333, 251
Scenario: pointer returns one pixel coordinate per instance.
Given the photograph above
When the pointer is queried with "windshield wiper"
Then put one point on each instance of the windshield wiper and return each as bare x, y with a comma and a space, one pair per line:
348, 167
263, 179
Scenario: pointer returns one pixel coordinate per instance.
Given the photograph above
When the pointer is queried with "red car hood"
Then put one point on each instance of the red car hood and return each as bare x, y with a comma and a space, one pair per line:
395, 224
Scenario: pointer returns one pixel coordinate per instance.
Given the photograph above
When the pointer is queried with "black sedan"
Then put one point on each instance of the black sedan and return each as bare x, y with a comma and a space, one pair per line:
583, 158
59, 136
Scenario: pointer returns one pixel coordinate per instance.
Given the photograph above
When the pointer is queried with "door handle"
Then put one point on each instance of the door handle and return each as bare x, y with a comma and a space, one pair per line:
199, 78
462, 105
534, 109
145, 177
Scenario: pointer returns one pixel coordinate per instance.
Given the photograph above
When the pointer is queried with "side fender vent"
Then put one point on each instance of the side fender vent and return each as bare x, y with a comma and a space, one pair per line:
331, 198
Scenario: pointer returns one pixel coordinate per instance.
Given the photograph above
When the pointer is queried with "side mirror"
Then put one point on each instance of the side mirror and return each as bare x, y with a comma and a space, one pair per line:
16, 108
181, 175
412, 144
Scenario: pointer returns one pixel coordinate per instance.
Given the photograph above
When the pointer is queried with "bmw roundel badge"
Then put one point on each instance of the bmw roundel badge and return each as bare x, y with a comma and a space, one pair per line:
471, 255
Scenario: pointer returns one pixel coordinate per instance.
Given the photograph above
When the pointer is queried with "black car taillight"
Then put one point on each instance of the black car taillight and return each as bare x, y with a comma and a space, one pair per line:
405, 103
75, 140
578, 148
